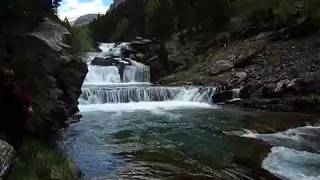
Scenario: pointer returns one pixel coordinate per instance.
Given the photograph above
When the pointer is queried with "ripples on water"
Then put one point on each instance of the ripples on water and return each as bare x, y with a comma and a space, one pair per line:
174, 132
188, 143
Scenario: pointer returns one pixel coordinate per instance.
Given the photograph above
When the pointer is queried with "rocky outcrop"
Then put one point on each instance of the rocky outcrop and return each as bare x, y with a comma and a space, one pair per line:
281, 74
46, 69
6, 158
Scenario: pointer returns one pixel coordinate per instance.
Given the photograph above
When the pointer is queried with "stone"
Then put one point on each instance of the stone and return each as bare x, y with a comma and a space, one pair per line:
52, 34
52, 76
281, 86
140, 55
220, 66
6, 158
241, 75
245, 58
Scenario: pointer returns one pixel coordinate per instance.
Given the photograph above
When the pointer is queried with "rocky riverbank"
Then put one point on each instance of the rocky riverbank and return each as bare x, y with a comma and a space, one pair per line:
46, 70
276, 70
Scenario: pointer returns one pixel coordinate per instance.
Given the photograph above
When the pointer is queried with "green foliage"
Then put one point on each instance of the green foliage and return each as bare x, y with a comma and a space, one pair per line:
80, 39
37, 161
122, 29
311, 9
30, 10
286, 9
160, 18
104, 27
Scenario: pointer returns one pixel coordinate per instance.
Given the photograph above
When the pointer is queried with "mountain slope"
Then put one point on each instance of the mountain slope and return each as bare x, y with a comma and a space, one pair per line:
85, 19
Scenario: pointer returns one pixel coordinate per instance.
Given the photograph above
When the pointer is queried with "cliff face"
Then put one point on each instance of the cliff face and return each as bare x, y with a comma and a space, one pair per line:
47, 71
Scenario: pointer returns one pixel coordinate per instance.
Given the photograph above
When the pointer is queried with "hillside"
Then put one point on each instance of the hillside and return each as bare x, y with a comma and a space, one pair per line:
268, 49
85, 19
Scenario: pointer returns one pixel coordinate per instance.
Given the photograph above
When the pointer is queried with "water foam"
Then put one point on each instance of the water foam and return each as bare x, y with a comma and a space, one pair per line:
145, 94
295, 154
292, 164
145, 106
102, 74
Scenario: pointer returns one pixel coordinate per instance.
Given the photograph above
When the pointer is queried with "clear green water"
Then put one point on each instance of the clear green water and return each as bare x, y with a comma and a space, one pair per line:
190, 143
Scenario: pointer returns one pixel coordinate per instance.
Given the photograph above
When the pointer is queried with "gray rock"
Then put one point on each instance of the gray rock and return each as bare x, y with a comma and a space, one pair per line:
140, 56
220, 66
241, 75
281, 86
52, 76
6, 157
52, 34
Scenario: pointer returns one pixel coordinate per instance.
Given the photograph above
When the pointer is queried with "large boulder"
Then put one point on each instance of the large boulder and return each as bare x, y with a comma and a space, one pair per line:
49, 73
220, 66
6, 157
52, 34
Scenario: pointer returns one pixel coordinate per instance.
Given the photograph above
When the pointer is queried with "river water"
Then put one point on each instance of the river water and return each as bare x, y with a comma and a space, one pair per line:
133, 130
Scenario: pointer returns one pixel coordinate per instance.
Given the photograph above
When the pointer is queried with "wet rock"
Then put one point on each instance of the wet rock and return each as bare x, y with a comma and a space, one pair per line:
222, 96
6, 157
250, 89
99, 61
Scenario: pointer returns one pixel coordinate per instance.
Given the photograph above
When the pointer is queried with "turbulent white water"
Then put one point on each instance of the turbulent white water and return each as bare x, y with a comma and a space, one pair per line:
292, 164
102, 74
136, 74
236, 94
111, 49
296, 152
103, 87
145, 106
145, 94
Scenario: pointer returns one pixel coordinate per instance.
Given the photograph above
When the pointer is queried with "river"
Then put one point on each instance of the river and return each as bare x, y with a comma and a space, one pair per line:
131, 129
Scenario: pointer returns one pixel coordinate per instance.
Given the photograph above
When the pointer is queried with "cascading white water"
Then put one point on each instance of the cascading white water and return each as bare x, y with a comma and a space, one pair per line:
136, 74
102, 75
104, 85
236, 94
145, 94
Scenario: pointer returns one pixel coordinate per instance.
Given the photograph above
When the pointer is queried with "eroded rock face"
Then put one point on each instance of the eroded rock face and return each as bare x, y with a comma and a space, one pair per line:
49, 73
6, 157
52, 34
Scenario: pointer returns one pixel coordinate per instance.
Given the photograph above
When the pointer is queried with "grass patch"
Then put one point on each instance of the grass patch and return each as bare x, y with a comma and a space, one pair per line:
37, 160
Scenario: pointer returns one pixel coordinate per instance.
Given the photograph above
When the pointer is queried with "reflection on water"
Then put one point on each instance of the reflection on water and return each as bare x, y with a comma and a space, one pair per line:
173, 144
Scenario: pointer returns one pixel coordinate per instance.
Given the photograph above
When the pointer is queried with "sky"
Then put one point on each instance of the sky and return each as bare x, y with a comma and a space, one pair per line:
72, 9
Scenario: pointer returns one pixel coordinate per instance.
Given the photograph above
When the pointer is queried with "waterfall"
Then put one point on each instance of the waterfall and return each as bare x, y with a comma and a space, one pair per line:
236, 94
106, 84
136, 74
145, 94
102, 75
